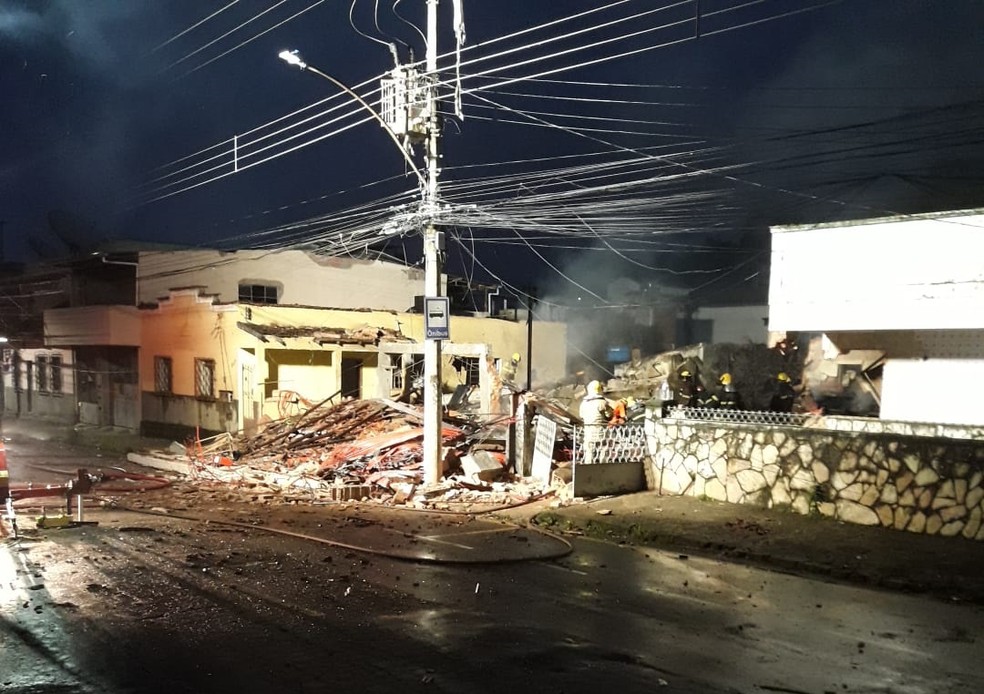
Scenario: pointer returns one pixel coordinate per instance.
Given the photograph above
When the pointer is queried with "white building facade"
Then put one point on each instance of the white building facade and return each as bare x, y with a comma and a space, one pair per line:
286, 277
909, 286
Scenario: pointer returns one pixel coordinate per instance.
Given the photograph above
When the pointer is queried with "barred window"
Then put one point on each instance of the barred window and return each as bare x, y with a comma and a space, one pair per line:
205, 378
41, 372
258, 293
56, 373
162, 375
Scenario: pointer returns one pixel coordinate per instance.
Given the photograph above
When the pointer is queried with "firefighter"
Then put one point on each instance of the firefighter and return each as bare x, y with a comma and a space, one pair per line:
627, 410
619, 412
507, 381
785, 395
686, 392
508, 369
706, 399
595, 412
729, 398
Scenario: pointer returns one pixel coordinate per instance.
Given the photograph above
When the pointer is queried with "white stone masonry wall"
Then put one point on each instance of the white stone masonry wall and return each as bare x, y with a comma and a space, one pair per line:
923, 485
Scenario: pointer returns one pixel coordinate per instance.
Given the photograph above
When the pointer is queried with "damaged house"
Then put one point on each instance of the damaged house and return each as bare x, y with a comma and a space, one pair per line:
237, 339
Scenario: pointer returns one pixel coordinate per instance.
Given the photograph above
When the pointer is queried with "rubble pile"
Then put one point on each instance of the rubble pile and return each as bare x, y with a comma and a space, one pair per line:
364, 449
753, 367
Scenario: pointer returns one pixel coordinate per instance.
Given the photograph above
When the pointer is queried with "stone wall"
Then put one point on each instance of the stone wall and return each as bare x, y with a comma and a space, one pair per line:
928, 485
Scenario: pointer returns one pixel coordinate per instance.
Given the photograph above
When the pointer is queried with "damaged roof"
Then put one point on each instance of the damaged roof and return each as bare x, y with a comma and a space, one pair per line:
363, 335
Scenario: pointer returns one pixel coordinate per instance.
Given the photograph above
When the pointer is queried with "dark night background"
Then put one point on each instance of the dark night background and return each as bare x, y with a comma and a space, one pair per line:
853, 109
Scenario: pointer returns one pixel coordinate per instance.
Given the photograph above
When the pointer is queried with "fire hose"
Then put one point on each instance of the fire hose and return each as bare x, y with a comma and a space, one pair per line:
83, 484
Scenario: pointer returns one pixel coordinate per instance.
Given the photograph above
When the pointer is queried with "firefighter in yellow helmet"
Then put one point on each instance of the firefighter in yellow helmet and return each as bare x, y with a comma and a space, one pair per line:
728, 398
785, 395
595, 412
687, 394
507, 369
627, 410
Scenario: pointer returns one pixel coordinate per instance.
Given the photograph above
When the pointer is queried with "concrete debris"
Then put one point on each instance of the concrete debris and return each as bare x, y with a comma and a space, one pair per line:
364, 449
482, 465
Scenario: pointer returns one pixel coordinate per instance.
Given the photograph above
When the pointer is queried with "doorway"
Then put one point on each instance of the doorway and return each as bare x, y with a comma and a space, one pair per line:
351, 378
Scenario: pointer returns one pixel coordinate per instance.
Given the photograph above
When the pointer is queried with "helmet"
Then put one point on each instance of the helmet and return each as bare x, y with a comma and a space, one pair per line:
685, 373
594, 388
782, 377
517, 356
725, 379
630, 402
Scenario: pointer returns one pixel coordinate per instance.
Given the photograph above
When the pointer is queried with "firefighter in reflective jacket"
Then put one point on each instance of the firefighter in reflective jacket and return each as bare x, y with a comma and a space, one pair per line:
595, 413
706, 399
785, 395
508, 369
627, 410
728, 398
686, 394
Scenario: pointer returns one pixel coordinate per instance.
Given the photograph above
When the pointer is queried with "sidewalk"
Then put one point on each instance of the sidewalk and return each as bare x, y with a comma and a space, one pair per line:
947, 568
103, 439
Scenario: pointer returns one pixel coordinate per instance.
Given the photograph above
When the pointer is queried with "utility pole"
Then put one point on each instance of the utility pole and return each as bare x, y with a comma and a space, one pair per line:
401, 102
433, 247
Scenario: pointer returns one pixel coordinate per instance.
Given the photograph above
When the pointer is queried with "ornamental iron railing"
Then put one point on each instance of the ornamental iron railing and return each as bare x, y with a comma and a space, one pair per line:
743, 416
616, 443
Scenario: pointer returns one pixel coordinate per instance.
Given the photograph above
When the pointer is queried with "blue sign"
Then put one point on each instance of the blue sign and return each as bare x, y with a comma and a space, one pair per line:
437, 318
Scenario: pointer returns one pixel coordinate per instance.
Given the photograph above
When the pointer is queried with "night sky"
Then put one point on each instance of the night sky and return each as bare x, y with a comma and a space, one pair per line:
666, 165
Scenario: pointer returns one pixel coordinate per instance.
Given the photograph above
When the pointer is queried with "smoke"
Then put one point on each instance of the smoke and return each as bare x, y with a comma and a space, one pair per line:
19, 24
606, 305
100, 37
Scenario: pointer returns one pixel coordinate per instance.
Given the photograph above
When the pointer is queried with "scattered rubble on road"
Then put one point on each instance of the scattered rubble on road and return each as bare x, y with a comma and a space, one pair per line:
364, 450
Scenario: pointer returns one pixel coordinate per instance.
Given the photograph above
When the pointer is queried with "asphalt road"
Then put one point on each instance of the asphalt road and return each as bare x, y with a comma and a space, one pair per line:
142, 604
147, 603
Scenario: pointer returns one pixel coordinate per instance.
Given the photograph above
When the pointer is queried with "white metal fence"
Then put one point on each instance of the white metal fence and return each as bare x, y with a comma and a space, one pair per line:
618, 443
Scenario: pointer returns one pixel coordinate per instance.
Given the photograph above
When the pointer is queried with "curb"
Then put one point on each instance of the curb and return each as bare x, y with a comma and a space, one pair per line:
639, 535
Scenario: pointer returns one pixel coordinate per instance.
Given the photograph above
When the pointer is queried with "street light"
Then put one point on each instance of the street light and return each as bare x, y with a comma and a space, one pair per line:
294, 59
433, 407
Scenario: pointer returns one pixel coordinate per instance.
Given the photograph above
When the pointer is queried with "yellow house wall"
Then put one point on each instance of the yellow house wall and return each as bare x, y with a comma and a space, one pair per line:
311, 383
507, 337
306, 370
186, 327
503, 337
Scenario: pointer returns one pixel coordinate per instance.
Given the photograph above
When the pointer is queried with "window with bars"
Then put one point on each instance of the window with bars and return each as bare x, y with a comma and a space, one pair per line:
205, 378
162, 375
258, 293
56, 373
41, 372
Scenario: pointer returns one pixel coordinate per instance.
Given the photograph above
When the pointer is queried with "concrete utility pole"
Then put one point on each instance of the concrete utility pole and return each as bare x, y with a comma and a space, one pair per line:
429, 208
433, 248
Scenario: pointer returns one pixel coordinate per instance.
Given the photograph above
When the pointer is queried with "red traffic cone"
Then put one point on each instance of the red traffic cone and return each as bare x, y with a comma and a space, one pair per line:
4, 474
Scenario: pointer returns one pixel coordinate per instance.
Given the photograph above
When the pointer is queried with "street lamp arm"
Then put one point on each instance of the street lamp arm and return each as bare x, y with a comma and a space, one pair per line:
291, 58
